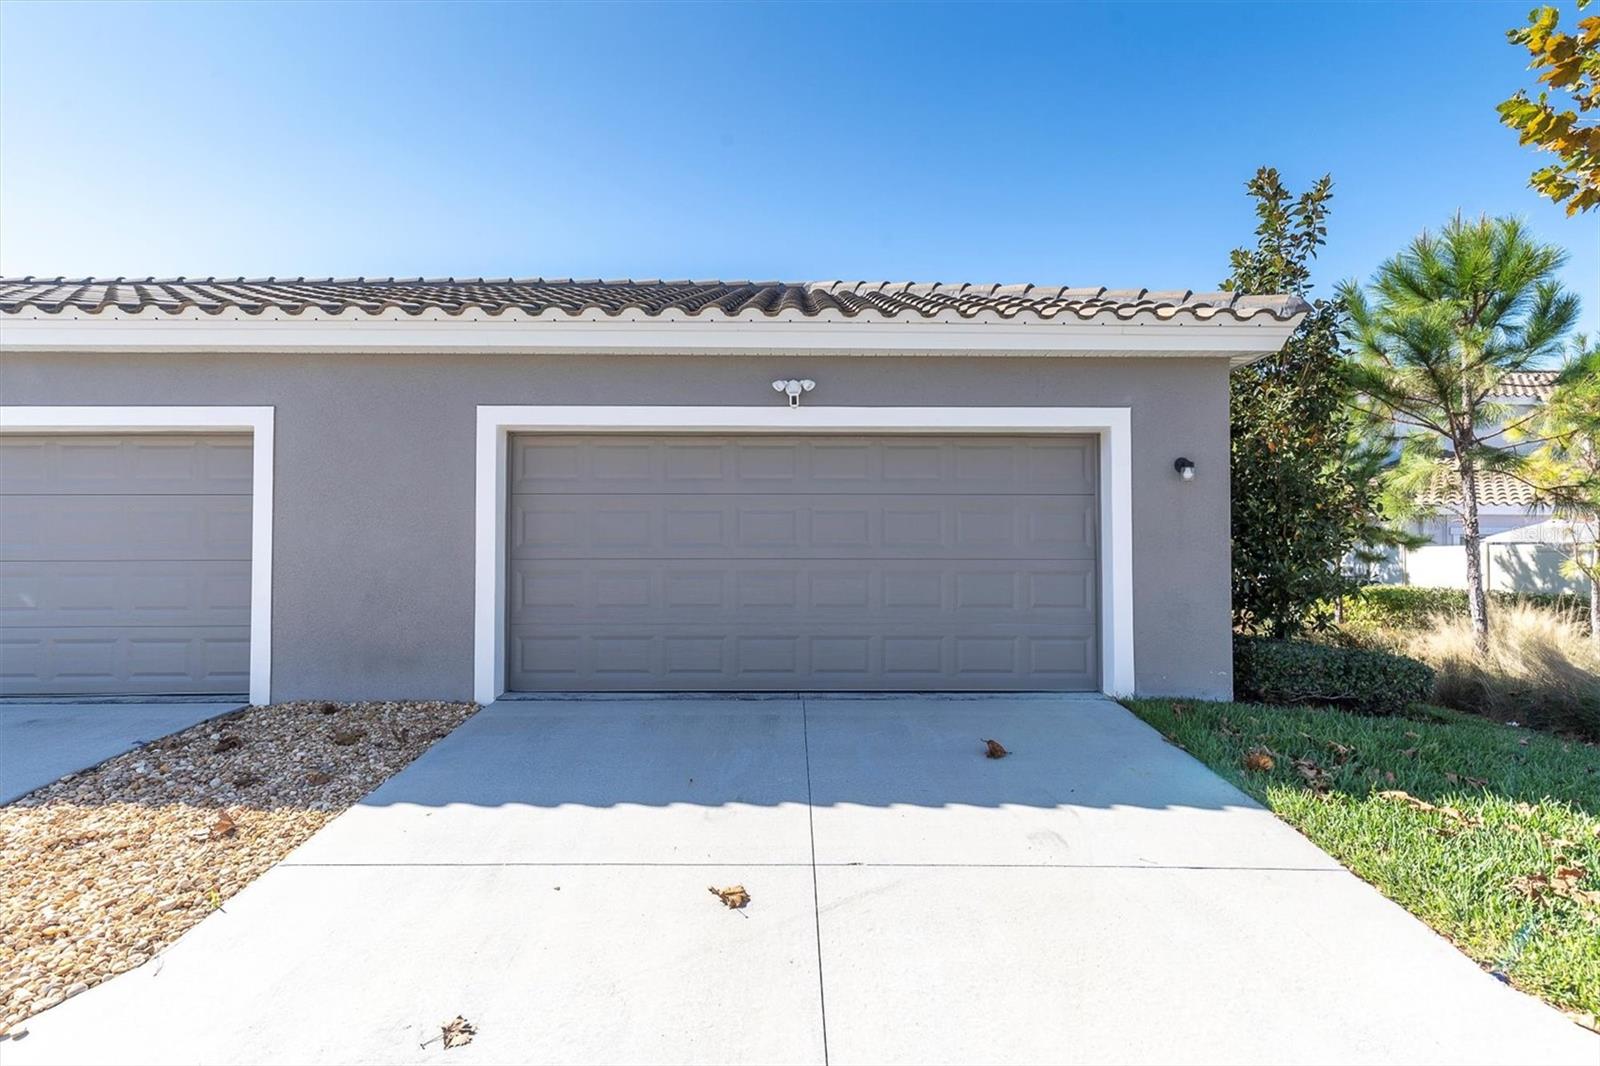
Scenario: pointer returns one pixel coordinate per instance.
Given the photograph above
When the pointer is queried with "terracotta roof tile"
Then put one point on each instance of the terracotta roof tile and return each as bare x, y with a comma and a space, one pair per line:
537, 295
1495, 489
1537, 384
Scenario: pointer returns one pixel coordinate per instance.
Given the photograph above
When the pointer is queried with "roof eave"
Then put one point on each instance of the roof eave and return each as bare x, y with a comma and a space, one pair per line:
1241, 339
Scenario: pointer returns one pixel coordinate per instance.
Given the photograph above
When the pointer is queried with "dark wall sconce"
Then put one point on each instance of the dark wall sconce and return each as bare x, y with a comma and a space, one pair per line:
1184, 467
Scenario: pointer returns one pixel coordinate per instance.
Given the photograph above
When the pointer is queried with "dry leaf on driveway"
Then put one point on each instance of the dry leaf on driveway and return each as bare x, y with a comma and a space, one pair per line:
458, 1032
993, 749
733, 897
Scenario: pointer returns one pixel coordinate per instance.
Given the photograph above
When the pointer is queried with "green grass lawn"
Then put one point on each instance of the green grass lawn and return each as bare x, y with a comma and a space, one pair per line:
1495, 842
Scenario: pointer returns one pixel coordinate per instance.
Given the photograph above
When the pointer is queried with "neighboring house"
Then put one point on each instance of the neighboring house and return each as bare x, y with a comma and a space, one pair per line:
446, 488
1515, 558
1504, 503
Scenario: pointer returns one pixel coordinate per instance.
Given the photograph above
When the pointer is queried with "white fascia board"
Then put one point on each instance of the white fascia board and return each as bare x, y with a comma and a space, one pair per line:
1221, 336
1111, 425
259, 422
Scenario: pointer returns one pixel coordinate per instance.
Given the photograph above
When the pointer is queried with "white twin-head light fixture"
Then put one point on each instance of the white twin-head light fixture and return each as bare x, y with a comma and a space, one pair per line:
1184, 467
794, 388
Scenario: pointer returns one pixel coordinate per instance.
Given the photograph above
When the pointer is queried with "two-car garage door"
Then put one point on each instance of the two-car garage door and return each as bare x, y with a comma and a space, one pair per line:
124, 563
684, 562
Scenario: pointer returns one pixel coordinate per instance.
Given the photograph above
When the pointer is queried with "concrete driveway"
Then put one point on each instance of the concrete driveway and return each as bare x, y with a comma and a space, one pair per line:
1098, 896
41, 742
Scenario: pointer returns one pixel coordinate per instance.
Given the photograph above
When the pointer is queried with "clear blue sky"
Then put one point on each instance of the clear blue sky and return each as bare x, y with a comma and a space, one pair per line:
1077, 144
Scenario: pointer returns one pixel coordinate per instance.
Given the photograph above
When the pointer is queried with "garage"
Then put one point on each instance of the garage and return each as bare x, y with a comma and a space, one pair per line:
767, 562
125, 563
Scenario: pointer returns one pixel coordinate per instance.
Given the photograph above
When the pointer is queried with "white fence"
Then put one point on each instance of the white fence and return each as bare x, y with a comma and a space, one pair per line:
1506, 568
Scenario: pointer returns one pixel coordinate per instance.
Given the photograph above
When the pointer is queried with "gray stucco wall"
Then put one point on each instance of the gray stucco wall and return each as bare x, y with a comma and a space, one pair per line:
373, 578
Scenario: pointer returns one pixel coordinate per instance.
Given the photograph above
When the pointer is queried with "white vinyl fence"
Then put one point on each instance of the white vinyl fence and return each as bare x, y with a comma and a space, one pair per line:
1506, 568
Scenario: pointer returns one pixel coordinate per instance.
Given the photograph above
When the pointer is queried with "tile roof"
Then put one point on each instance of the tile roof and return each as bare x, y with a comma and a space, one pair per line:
694, 298
1495, 489
1537, 384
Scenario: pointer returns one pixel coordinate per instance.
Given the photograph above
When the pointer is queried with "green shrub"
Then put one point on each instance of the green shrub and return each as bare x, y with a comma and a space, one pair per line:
1414, 607
1297, 671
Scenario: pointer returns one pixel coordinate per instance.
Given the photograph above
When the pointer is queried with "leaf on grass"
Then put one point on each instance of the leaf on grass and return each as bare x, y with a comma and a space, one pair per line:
458, 1032
1314, 775
1227, 728
223, 825
1258, 760
1409, 753
733, 897
1455, 819
993, 749
1180, 709
346, 737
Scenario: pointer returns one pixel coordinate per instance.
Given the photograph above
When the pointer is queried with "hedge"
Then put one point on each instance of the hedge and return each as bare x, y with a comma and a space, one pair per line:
1297, 671
1412, 607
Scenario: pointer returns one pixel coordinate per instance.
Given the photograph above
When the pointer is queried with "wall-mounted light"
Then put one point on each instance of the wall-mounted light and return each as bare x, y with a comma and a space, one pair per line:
794, 388
1184, 467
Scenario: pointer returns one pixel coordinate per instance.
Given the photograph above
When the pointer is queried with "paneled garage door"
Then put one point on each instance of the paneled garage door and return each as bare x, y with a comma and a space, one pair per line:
745, 563
124, 564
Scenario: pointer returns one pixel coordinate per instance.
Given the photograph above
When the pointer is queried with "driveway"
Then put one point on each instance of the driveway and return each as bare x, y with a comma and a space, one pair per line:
1097, 896
42, 742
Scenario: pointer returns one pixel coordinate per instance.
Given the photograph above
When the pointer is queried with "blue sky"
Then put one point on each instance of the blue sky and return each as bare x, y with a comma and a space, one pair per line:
1075, 144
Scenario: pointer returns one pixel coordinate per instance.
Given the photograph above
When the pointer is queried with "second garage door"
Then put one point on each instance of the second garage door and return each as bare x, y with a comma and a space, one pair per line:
751, 563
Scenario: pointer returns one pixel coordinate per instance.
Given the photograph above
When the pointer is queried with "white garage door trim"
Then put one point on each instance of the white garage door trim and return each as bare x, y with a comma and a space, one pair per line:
1112, 425
258, 422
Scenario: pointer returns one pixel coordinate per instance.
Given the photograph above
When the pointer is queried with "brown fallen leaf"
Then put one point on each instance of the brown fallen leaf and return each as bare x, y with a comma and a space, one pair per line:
1566, 881
1533, 886
317, 777
223, 825
1409, 753
993, 749
734, 897
458, 1032
246, 779
1314, 775
346, 737
1258, 760
1457, 819
1180, 709
227, 743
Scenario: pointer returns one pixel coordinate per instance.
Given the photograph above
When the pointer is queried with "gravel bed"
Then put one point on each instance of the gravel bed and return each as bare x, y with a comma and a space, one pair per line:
104, 868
